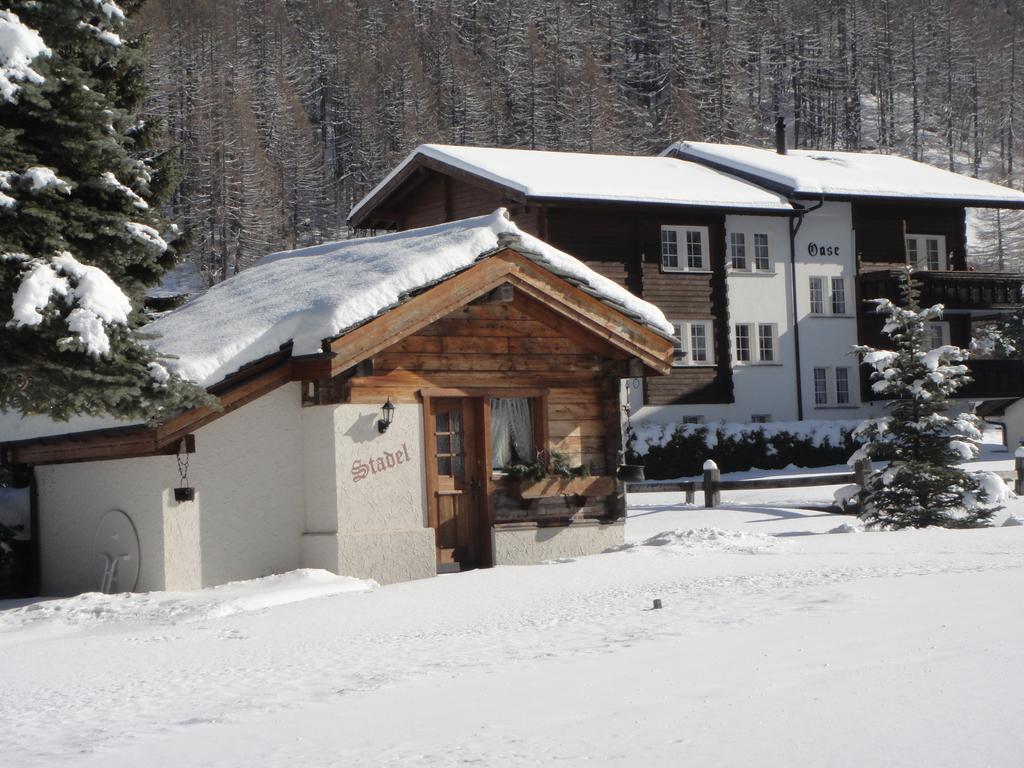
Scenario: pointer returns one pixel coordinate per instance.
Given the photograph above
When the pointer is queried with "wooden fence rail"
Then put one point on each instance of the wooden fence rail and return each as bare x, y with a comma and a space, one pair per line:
712, 485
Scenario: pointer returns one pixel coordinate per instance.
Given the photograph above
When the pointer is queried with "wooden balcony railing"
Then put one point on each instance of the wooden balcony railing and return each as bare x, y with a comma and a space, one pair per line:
955, 290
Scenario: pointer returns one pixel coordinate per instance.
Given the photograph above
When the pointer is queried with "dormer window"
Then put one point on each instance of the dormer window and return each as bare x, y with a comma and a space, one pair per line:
684, 249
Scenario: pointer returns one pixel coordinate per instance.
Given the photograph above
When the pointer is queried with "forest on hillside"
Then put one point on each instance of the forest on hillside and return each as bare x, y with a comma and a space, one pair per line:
283, 113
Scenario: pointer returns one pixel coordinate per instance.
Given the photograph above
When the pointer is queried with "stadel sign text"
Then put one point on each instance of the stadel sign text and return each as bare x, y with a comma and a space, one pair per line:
376, 465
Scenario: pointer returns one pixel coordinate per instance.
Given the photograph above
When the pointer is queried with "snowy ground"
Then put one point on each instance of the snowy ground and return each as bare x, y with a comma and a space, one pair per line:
779, 645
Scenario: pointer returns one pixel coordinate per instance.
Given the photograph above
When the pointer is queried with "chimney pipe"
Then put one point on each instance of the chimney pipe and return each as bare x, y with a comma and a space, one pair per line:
780, 135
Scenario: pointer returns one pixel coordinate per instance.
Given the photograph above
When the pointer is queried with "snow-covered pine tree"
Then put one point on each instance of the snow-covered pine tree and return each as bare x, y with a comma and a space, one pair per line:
921, 483
79, 237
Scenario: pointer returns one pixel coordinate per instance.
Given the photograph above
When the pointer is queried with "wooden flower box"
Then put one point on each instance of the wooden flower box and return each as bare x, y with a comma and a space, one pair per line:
551, 487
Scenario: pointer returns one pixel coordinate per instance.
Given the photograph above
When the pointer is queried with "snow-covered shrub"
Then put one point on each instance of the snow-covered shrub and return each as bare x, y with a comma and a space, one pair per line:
920, 483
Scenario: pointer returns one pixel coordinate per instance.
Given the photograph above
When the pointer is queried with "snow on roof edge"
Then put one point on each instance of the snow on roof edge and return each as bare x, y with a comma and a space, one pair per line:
759, 169
446, 154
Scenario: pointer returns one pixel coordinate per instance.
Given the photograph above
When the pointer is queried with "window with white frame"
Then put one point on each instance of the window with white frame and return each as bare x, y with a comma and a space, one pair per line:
828, 296
750, 252
738, 250
762, 253
821, 386
766, 336
684, 249
927, 252
742, 342
694, 342
817, 295
700, 343
842, 386
766, 341
669, 248
838, 296
832, 386
760, 418
938, 335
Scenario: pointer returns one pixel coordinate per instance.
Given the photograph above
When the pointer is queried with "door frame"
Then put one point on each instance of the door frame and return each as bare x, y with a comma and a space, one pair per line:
480, 401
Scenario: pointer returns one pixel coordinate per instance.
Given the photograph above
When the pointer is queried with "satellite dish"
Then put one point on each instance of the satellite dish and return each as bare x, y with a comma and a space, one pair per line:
117, 546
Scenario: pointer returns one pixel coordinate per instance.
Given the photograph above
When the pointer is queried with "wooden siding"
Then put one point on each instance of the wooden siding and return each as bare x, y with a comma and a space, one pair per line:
438, 198
501, 348
880, 228
609, 243
625, 246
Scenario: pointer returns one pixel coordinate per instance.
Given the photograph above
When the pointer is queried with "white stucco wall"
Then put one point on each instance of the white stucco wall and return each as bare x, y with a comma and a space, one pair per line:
278, 487
250, 487
754, 298
390, 494
827, 341
372, 520
72, 500
528, 544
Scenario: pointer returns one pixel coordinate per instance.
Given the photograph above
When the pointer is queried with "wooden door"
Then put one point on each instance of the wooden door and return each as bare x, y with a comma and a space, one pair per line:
456, 507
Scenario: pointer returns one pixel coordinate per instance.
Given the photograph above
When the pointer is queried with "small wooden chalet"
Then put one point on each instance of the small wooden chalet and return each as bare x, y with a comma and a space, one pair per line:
442, 398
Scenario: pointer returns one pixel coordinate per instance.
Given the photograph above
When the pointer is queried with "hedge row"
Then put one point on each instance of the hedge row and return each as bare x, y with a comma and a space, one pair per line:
689, 446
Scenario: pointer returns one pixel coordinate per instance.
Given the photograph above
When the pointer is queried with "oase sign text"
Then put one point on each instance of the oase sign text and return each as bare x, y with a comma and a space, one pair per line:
376, 465
814, 249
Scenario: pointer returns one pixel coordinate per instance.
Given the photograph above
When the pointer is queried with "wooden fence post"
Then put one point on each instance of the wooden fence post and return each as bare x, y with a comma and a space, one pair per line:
712, 478
691, 494
861, 469
1018, 465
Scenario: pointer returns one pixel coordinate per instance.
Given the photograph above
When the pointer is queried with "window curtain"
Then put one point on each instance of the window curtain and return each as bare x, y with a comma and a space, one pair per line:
511, 431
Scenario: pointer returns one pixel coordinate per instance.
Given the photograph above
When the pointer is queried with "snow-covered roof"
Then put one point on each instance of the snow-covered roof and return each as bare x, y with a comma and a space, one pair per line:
610, 178
312, 294
848, 174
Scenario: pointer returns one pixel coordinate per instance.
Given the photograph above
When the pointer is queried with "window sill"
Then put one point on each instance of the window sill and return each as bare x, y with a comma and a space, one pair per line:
681, 271
850, 407
751, 273
755, 364
695, 365
830, 317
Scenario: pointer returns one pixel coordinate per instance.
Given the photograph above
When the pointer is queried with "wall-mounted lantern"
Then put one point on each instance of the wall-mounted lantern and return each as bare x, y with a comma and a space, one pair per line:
387, 416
